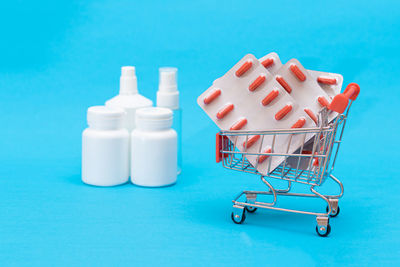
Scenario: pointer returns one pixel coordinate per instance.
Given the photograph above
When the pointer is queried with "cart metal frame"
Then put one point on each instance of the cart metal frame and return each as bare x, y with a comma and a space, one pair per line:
320, 164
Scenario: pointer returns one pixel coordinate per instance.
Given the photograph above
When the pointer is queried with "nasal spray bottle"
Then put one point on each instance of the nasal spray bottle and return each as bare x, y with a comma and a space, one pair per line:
168, 97
129, 98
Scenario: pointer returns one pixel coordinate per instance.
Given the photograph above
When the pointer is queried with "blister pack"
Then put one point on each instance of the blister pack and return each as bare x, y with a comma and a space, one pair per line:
331, 83
271, 62
297, 81
248, 97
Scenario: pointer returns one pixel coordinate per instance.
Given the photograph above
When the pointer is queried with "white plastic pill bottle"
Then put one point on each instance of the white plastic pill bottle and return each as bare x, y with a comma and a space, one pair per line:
105, 147
153, 148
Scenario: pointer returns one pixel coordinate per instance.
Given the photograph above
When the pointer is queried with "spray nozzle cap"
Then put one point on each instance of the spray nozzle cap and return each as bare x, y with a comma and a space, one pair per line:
128, 81
168, 77
168, 95
127, 71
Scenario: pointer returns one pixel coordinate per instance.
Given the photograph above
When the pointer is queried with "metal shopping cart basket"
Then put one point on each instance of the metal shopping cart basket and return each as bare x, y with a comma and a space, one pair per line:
310, 167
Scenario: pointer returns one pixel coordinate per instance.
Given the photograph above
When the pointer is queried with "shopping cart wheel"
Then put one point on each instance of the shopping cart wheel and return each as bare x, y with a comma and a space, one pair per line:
250, 209
237, 218
322, 230
334, 212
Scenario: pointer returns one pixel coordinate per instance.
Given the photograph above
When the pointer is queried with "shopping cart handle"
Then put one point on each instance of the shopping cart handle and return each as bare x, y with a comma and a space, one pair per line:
340, 101
352, 90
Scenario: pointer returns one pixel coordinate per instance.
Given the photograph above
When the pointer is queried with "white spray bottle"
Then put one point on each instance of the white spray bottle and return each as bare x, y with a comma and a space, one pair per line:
168, 97
129, 98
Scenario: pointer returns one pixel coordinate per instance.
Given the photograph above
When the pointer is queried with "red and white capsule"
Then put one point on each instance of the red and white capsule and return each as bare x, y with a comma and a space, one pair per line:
284, 84
262, 158
257, 83
326, 80
270, 97
212, 96
268, 62
297, 72
244, 68
322, 101
224, 111
251, 141
311, 115
239, 124
283, 112
299, 123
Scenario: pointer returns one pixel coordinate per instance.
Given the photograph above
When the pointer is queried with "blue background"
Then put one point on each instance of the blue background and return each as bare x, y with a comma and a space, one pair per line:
59, 57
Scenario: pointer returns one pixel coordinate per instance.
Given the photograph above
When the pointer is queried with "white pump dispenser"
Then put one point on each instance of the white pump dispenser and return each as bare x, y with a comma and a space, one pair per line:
168, 94
129, 98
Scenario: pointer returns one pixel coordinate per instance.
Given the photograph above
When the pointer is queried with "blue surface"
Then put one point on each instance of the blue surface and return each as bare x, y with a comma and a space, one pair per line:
59, 57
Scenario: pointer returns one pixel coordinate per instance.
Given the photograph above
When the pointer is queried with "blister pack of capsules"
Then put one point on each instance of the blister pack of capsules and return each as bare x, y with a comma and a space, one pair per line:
294, 78
248, 97
331, 83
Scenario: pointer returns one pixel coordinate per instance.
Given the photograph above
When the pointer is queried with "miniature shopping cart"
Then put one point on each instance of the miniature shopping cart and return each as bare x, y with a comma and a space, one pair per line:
310, 167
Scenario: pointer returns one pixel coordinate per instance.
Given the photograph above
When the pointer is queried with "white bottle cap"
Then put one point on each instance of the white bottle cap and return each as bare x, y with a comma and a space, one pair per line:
128, 81
153, 118
168, 94
105, 117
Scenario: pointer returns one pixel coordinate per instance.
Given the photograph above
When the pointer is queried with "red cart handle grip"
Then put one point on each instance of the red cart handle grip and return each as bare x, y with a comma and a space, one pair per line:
352, 90
221, 143
339, 102
218, 147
